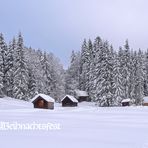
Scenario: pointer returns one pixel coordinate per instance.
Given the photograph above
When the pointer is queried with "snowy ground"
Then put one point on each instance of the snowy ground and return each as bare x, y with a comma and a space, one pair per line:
85, 126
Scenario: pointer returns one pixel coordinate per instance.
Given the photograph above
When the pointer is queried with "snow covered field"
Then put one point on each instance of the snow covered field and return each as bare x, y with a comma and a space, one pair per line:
85, 126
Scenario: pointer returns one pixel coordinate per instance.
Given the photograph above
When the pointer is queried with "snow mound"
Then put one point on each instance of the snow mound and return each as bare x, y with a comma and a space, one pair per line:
11, 103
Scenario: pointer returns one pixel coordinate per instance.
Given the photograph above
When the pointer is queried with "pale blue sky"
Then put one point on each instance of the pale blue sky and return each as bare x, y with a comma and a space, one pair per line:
60, 26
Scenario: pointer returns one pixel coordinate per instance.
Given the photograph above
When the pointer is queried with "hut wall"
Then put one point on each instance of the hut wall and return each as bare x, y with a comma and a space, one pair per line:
84, 98
80, 99
50, 105
145, 104
41, 103
125, 104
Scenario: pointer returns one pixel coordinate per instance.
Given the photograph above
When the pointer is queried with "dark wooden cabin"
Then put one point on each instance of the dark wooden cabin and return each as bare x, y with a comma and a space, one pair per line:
69, 101
81, 95
43, 101
126, 102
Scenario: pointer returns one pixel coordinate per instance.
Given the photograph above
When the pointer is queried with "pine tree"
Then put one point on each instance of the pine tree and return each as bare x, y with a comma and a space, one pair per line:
105, 81
89, 70
139, 88
117, 78
3, 65
92, 72
10, 66
21, 71
72, 74
83, 66
31, 84
125, 64
58, 80
146, 74
95, 68
46, 74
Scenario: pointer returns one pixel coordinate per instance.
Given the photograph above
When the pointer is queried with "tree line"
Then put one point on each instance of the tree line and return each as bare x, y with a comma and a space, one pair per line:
107, 74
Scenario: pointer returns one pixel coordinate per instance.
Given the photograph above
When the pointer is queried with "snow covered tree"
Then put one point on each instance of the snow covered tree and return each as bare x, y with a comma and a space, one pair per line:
58, 79
10, 67
83, 66
21, 71
139, 88
125, 64
88, 64
31, 84
105, 77
92, 72
95, 68
117, 78
72, 74
3, 49
146, 74
87, 67
46, 74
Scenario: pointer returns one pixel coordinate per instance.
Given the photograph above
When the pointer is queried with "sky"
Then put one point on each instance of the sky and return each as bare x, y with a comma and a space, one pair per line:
60, 26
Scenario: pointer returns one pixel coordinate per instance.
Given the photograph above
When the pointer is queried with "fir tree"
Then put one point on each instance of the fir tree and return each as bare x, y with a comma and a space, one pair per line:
72, 74
21, 71
3, 63
10, 73
117, 78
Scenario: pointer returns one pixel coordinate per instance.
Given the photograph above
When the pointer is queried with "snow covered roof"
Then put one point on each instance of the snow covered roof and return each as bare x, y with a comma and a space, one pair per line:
145, 99
45, 97
72, 98
80, 93
126, 100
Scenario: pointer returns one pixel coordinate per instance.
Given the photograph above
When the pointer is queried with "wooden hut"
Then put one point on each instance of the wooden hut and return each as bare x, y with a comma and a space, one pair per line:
126, 102
81, 95
145, 101
43, 101
70, 101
